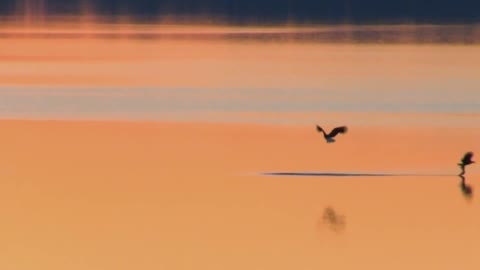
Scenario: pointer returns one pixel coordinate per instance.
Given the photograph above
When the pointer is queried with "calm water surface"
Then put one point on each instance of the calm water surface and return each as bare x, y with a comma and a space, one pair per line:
198, 77
78, 195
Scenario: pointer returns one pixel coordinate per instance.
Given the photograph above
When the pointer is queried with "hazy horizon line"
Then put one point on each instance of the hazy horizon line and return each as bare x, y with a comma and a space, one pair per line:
340, 33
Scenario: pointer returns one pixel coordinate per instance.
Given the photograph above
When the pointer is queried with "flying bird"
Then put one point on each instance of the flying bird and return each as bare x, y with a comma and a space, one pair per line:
330, 136
466, 160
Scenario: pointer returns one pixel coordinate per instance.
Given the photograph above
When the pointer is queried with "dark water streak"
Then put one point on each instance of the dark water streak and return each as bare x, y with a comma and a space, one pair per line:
346, 174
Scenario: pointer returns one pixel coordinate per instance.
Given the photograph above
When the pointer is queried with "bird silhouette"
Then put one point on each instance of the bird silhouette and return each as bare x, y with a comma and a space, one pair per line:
466, 160
330, 136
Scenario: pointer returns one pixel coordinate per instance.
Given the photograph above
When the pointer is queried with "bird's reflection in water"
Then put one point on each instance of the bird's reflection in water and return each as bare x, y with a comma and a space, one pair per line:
467, 189
333, 220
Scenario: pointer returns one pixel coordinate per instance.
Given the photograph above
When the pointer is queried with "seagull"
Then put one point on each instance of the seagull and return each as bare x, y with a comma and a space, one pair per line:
466, 160
329, 137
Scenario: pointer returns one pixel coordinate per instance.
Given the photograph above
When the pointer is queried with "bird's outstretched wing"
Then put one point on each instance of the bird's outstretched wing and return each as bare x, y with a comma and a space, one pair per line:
335, 131
319, 129
467, 158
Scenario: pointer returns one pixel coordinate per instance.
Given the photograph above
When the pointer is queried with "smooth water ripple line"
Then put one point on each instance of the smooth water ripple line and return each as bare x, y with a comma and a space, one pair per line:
348, 174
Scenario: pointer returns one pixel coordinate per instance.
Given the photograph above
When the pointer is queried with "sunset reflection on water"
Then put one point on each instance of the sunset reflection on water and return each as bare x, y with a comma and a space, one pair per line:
122, 152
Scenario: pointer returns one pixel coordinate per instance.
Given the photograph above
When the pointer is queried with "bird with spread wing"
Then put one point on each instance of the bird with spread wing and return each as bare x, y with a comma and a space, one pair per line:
466, 160
330, 136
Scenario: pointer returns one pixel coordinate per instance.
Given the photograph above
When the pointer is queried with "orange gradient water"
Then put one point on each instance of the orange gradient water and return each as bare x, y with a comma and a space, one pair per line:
190, 193
103, 195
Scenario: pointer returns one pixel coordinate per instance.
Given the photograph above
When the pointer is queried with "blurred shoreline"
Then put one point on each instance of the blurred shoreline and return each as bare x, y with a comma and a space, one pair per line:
81, 28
